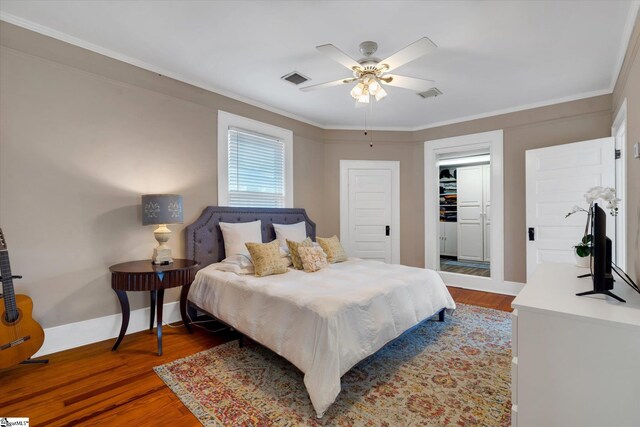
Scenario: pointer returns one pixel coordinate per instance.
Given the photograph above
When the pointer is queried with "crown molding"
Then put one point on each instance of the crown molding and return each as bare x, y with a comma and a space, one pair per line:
494, 113
50, 32
634, 9
30, 25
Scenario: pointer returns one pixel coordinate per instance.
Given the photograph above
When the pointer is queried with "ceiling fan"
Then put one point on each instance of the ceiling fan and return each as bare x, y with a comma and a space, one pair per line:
371, 73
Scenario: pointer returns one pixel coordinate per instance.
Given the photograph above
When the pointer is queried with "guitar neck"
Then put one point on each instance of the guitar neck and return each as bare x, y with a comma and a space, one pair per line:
8, 293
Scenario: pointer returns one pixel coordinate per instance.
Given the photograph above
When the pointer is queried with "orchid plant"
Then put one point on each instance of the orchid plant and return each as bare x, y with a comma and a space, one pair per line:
608, 194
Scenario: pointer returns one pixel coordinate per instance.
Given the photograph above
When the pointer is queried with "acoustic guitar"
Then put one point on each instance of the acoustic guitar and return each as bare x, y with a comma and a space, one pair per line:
20, 335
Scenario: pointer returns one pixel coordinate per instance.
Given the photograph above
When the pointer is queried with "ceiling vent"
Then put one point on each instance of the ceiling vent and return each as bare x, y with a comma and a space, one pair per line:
431, 93
295, 77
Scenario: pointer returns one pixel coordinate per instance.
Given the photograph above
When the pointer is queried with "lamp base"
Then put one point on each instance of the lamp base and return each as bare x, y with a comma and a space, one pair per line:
162, 255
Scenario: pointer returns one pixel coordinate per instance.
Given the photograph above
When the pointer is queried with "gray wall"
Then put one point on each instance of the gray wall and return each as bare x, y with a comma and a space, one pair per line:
541, 127
82, 136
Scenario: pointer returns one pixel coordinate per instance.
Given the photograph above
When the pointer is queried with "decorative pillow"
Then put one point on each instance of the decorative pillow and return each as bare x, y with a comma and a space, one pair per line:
333, 248
266, 258
285, 258
235, 235
294, 232
293, 251
313, 258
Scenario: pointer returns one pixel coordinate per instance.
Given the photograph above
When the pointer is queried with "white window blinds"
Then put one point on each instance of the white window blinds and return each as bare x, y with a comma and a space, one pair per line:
256, 170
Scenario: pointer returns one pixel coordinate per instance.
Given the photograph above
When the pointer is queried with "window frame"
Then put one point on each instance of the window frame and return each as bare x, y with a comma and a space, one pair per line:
227, 121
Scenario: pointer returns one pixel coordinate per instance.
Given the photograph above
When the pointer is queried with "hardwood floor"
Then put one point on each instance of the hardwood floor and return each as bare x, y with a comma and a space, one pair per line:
92, 385
482, 299
469, 267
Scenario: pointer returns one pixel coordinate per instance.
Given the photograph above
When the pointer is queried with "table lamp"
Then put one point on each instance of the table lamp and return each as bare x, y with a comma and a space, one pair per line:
161, 210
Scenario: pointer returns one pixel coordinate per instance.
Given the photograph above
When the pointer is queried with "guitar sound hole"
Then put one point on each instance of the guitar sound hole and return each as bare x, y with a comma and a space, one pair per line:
11, 319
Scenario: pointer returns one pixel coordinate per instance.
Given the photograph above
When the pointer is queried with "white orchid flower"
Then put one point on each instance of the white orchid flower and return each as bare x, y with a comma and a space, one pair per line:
608, 194
592, 194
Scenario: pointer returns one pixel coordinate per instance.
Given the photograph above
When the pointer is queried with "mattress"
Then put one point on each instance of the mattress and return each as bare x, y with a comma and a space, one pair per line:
327, 321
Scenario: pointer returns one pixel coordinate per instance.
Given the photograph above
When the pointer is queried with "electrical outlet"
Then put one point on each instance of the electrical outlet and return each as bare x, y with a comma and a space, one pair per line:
636, 150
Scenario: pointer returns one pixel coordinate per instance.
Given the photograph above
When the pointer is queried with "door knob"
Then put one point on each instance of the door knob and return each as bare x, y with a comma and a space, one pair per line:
387, 230
531, 234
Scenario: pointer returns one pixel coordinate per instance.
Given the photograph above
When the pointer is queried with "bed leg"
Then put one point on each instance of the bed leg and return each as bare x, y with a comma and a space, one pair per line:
441, 316
192, 312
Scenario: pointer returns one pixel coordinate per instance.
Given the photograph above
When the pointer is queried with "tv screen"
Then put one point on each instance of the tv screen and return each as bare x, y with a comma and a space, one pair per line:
601, 251
600, 256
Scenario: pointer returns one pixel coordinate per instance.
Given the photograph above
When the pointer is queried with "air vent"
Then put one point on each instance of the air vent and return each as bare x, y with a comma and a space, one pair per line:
431, 93
295, 77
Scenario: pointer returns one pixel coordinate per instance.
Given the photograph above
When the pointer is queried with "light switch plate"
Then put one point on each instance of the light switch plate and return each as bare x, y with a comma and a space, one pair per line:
636, 150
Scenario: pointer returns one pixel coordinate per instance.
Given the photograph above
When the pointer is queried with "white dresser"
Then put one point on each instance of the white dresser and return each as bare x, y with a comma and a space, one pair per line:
576, 360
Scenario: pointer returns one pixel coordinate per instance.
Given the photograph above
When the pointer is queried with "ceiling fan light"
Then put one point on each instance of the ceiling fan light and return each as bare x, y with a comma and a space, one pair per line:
358, 90
364, 98
381, 94
374, 87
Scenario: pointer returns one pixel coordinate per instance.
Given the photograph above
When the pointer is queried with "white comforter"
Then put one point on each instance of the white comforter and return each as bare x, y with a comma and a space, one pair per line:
323, 322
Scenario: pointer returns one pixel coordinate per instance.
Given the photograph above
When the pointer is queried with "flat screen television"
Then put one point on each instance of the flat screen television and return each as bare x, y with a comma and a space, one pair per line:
601, 260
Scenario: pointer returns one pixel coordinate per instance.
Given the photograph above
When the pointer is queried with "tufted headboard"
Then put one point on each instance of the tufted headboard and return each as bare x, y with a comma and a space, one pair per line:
204, 237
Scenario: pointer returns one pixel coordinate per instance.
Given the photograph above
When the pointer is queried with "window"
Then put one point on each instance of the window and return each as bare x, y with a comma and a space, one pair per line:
254, 163
256, 170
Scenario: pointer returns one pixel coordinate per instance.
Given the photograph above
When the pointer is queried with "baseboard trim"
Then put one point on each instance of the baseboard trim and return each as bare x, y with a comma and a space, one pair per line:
72, 335
505, 288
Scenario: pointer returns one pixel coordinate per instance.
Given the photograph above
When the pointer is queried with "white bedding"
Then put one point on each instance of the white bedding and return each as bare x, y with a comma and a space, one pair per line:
323, 322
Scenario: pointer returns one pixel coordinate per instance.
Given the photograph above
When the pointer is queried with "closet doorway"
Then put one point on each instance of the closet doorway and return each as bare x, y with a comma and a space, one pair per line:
465, 214
464, 211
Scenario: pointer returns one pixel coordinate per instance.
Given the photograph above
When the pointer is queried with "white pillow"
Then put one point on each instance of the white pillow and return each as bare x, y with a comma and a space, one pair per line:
235, 235
239, 264
294, 232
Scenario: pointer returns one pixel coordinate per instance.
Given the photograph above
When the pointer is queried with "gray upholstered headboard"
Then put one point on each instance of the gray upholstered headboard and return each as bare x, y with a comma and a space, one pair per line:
204, 237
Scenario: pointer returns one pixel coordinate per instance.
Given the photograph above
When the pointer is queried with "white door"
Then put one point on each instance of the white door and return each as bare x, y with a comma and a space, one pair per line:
486, 214
370, 209
556, 180
448, 238
451, 238
470, 213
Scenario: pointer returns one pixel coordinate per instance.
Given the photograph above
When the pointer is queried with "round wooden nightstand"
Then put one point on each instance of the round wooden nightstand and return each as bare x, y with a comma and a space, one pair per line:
146, 276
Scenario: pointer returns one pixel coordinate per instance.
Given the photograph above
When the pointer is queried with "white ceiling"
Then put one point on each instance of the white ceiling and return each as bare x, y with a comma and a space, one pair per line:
492, 56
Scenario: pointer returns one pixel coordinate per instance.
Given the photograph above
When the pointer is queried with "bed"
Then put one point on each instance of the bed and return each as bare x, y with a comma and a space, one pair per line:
324, 322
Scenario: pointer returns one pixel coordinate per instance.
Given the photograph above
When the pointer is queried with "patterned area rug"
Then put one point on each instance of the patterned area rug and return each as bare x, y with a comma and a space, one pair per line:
451, 373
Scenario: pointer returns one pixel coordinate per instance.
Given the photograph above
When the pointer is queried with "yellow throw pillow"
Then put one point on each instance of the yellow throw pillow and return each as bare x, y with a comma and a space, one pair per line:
333, 248
266, 258
293, 251
313, 258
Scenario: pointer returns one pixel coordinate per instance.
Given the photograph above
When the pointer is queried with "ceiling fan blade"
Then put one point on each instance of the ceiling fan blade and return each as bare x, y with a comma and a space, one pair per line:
328, 84
339, 56
414, 51
412, 83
